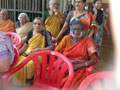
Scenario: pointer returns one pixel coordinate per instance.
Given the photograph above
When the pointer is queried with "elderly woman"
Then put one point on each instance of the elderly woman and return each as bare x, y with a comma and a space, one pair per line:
80, 50
6, 52
79, 14
53, 18
6, 25
37, 39
25, 26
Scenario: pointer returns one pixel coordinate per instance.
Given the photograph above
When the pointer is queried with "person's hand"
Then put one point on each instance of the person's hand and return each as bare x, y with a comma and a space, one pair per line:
35, 50
51, 12
95, 10
55, 11
54, 40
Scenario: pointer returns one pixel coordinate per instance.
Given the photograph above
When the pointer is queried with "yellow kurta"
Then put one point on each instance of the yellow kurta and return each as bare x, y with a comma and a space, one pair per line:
53, 24
19, 78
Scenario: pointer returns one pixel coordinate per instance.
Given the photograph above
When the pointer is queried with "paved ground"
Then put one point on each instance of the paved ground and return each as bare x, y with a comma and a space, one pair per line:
107, 55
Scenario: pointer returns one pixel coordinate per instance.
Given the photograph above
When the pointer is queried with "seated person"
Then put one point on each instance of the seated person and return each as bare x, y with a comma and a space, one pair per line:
6, 52
6, 25
37, 39
25, 26
80, 50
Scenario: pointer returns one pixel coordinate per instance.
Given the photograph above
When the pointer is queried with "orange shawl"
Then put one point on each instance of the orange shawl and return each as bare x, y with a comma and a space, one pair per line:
7, 26
80, 50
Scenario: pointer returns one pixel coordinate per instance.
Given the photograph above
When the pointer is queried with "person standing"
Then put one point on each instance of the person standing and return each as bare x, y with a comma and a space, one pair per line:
79, 14
101, 22
53, 18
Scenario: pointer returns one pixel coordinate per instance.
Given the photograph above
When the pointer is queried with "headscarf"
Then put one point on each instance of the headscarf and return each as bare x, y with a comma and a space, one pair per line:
9, 44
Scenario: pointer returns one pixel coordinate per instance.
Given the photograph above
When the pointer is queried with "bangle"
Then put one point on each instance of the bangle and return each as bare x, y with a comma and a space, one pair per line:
86, 64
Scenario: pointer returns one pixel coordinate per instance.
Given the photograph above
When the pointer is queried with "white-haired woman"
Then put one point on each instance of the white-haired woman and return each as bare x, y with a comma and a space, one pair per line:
53, 18
24, 27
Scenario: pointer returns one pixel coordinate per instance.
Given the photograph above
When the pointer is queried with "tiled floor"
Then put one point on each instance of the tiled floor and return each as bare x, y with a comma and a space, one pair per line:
107, 56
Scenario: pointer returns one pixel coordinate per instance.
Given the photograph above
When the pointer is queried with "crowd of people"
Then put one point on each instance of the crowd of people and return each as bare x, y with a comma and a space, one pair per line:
81, 45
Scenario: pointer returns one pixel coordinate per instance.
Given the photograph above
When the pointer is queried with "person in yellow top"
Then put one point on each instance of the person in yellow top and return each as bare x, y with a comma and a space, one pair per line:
53, 18
6, 25
25, 26
38, 39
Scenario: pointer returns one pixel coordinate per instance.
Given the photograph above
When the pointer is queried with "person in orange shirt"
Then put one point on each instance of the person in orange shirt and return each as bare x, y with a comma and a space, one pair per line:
80, 50
6, 25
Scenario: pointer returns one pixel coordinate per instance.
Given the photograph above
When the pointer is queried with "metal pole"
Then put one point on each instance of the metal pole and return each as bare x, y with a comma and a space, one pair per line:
43, 5
14, 10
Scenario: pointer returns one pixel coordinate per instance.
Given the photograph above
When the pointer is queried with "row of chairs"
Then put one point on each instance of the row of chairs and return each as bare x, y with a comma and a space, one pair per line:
55, 72
17, 42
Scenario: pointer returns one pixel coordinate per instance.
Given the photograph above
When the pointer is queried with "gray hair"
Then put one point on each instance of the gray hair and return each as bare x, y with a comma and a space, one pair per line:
51, 1
26, 16
79, 23
5, 11
39, 19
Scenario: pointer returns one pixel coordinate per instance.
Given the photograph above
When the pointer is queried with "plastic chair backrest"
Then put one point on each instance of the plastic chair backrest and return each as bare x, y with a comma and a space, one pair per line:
99, 81
15, 38
50, 72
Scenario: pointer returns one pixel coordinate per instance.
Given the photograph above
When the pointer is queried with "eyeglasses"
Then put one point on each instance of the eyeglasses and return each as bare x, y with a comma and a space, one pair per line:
77, 29
39, 24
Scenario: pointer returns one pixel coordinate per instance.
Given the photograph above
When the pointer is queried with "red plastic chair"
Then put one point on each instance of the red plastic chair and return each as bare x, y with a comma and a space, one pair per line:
99, 81
48, 75
15, 38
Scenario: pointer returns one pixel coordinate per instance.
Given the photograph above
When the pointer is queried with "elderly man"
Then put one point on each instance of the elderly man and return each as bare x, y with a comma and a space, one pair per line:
53, 18
6, 25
